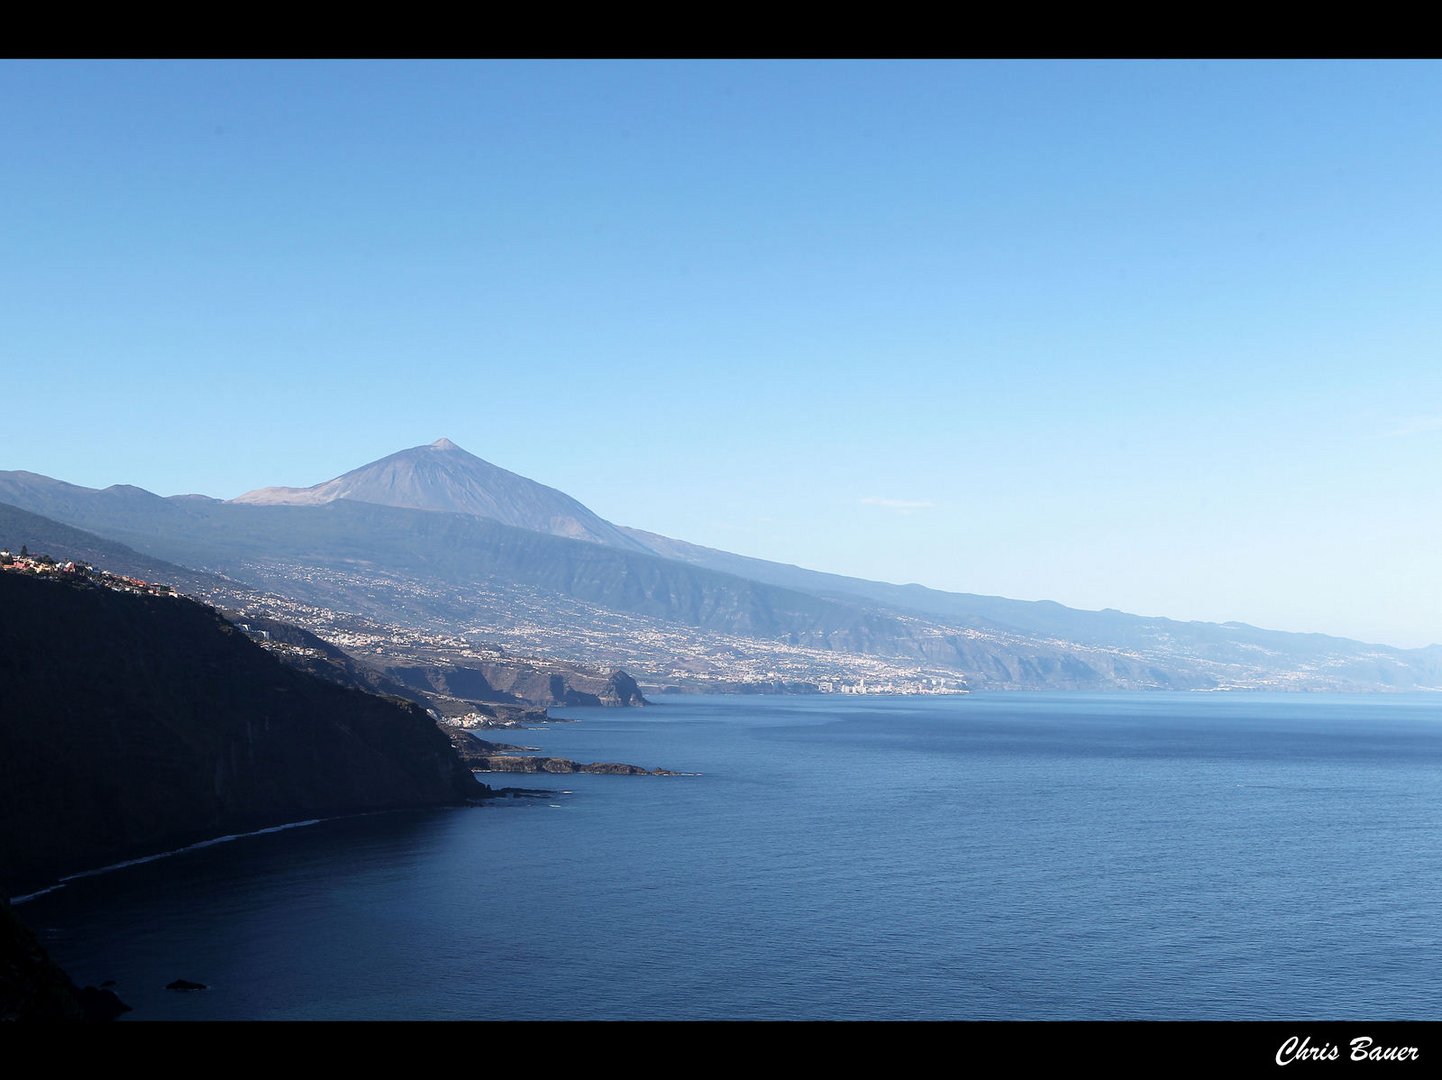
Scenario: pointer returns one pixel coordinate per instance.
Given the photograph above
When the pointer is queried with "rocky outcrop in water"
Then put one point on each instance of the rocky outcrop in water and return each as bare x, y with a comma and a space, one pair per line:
482, 756
507, 763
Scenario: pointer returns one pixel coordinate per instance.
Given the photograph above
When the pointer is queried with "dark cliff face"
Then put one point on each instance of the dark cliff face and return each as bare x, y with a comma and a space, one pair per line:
135, 724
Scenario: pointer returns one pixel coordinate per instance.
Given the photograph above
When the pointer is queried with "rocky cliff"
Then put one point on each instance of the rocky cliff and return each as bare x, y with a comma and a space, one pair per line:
133, 724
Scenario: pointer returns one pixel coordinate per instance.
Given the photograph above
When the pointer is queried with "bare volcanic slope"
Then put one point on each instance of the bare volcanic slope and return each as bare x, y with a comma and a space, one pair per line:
444, 477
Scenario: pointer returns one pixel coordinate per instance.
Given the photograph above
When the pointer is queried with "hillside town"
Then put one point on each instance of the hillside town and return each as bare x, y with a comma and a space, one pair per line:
80, 572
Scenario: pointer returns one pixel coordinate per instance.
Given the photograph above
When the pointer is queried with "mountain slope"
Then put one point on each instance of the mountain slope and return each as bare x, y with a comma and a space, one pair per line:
20, 528
459, 549
1037, 618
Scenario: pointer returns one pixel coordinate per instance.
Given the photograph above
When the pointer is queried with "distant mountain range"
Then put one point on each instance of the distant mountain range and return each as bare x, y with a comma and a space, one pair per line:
440, 540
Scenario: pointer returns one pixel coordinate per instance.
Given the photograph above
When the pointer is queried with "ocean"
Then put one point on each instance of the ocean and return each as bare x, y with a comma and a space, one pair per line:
993, 856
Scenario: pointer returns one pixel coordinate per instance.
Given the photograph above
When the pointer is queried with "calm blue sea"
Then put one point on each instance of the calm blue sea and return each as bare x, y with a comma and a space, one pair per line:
998, 856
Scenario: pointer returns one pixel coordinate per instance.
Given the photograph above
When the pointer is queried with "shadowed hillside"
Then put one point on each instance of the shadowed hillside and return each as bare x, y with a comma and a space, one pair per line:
133, 724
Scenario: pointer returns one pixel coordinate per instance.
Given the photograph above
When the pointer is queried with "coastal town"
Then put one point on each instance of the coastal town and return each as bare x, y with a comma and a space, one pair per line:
512, 623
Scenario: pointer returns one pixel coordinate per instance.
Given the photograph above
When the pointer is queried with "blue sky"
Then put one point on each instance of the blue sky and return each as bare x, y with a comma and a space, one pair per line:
1155, 336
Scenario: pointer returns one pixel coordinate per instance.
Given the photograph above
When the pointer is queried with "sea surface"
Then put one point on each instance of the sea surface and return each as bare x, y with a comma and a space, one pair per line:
995, 856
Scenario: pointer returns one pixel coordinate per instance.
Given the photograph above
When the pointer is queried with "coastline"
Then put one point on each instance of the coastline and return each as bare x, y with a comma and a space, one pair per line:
15, 901
488, 794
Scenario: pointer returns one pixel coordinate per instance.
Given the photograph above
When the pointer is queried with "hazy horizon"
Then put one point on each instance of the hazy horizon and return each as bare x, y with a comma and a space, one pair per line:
1157, 337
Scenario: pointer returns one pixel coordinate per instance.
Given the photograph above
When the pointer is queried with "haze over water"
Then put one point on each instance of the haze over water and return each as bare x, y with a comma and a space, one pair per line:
997, 856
